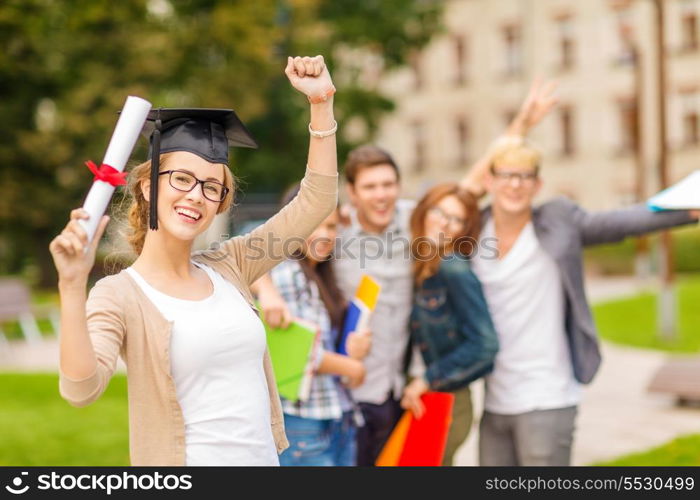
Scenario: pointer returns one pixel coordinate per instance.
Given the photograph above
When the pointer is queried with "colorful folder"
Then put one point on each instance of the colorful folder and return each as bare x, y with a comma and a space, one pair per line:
291, 353
420, 442
359, 309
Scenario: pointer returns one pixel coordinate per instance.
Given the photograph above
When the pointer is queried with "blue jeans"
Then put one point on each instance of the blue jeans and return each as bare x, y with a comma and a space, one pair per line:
319, 442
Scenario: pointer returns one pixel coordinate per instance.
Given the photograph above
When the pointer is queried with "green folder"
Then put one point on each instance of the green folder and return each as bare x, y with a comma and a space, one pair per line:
290, 351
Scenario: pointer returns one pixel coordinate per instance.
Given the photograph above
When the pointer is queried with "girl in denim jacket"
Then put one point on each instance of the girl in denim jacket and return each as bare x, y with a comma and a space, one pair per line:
450, 321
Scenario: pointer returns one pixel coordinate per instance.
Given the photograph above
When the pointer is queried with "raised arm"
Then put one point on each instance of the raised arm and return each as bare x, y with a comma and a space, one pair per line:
310, 76
540, 101
615, 225
92, 330
257, 252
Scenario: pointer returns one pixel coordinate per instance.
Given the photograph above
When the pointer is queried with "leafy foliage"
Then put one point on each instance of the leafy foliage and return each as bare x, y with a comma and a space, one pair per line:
66, 68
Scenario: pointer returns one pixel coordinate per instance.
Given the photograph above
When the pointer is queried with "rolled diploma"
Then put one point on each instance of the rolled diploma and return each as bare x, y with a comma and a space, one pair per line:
121, 145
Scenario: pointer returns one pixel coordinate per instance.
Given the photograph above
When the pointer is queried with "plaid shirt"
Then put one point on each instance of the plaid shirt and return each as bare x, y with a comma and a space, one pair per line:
328, 399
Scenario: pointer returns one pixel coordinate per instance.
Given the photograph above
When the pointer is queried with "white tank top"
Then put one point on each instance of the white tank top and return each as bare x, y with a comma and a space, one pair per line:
216, 361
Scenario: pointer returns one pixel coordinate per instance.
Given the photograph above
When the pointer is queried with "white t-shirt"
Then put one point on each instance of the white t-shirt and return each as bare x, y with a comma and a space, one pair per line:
216, 361
524, 292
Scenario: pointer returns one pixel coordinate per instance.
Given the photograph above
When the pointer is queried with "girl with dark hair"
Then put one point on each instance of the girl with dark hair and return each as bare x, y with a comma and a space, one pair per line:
321, 430
450, 321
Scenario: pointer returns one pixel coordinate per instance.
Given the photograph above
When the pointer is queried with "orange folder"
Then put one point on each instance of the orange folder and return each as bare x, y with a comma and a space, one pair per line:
391, 453
420, 442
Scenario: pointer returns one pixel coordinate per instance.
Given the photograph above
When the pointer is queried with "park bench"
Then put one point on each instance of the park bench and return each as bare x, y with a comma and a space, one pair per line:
16, 305
679, 377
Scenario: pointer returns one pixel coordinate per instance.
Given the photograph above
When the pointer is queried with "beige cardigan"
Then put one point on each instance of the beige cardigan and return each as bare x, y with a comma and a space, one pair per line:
122, 321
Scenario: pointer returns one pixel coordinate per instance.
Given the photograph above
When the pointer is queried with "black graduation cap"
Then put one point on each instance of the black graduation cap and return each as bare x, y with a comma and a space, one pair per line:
208, 133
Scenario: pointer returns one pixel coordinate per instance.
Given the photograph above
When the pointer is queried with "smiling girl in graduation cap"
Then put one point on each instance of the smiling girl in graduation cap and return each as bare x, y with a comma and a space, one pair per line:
201, 386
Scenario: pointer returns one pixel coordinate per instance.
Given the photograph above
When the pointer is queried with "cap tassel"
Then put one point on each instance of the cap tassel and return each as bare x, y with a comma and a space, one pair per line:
155, 169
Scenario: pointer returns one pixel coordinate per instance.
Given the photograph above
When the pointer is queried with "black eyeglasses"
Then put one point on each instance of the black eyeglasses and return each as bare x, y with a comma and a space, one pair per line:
185, 181
524, 177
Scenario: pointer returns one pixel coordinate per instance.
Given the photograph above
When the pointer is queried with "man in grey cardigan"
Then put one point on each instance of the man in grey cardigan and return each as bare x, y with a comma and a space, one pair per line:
535, 291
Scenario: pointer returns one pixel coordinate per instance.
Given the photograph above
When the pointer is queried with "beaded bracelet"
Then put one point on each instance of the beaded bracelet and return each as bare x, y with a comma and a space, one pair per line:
324, 133
318, 99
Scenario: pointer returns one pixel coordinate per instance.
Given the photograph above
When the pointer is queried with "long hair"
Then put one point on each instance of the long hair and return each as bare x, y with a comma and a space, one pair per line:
426, 256
322, 274
137, 214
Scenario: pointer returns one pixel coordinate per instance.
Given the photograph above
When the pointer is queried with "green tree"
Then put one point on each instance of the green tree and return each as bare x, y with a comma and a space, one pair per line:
66, 68
390, 31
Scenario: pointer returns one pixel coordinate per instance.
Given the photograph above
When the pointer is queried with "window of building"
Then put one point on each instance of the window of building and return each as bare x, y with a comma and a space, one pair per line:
567, 131
462, 138
690, 128
690, 115
689, 25
459, 47
565, 41
419, 145
625, 54
513, 48
629, 125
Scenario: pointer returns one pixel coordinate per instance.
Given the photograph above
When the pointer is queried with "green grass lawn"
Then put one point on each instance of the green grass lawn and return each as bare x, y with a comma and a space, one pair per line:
632, 321
683, 451
37, 427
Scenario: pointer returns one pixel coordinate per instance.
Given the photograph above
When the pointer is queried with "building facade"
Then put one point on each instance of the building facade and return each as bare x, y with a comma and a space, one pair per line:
601, 145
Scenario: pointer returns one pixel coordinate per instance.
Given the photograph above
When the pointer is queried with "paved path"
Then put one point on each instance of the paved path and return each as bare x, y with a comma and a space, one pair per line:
604, 289
21, 356
617, 416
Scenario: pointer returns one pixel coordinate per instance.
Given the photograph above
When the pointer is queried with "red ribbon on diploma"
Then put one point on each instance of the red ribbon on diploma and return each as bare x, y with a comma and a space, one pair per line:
107, 173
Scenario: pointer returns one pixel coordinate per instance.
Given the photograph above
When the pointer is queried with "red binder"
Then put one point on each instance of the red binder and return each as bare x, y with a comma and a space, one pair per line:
420, 442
